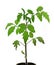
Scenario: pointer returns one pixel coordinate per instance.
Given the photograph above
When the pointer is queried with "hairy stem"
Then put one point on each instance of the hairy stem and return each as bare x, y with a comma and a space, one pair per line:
25, 54
30, 40
21, 43
26, 49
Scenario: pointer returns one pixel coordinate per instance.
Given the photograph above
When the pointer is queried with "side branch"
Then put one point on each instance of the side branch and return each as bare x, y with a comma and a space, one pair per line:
30, 40
21, 43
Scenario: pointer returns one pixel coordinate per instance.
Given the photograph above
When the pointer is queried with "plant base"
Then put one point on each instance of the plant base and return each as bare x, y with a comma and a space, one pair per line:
25, 64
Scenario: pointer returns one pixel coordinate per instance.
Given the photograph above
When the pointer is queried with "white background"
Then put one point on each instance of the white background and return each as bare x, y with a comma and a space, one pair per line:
40, 54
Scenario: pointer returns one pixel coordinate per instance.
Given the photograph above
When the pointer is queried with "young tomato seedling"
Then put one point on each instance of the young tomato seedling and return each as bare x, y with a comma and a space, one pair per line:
26, 29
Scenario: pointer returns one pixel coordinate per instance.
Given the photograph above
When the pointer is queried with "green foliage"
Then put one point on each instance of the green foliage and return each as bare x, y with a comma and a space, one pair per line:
46, 16
25, 36
24, 17
22, 27
34, 41
10, 30
21, 30
16, 22
40, 8
18, 18
16, 44
30, 34
27, 29
33, 18
22, 52
9, 24
17, 30
40, 39
30, 11
23, 10
31, 28
39, 15
28, 19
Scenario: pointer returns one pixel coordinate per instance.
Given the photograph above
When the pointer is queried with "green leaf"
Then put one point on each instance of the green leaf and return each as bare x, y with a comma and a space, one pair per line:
25, 36
17, 30
11, 30
46, 16
30, 34
23, 14
28, 19
23, 10
9, 24
16, 44
40, 39
30, 11
22, 27
21, 30
33, 18
24, 17
19, 16
22, 52
34, 41
31, 28
40, 8
39, 15
16, 22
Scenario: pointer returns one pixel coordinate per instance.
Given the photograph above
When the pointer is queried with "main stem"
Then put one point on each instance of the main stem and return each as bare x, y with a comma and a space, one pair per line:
26, 54
26, 50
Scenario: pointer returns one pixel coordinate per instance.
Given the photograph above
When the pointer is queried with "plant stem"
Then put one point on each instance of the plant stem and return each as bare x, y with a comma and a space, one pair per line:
26, 50
21, 43
29, 41
25, 54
